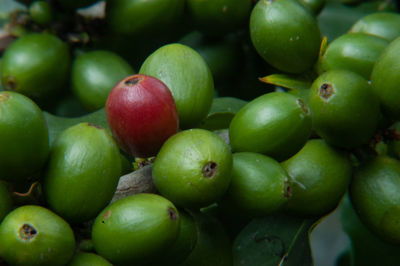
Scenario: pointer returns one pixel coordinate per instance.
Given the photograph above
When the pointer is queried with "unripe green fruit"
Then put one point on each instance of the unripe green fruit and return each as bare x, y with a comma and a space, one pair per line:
82, 173
276, 124
24, 138
385, 79
290, 45
33, 235
188, 77
137, 16
383, 24
94, 74
36, 65
374, 192
193, 168
259, 185
219, 16
355, 52
345, 111
136, 229
41, 12
320, 175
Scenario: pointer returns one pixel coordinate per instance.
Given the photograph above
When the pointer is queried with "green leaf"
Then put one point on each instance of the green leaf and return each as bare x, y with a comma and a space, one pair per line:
57, 124
291, 82
366, 248
222, 111
274, 240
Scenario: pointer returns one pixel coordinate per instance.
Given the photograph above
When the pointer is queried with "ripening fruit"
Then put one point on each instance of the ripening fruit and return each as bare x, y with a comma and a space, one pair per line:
142, 114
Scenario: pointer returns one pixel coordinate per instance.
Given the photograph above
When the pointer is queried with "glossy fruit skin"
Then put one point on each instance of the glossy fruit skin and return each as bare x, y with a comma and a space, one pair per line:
137, 16
24, 137
36, 65
41, 12
219, 16
142, 114
355, 52
6, 201
82, 172
259, 184
85, 259
345, 111
375, 194
193, 168
320, 175
288, 45
383, 24
53, 241
385, 79
183, 245
188, 77
135, 229
276, 124
94, 74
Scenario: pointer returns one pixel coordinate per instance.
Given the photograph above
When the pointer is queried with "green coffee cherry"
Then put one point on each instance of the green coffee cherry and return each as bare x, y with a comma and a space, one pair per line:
355, 52
41, 12
94, 74
82, 172
188, 77
385, 79
36, 65
320, 175
136, 229
374, 192
33, 235
193, 168
382, 24
290, 45
345, 111
259, 185
6, 201
24, 137
85, 259
276, 124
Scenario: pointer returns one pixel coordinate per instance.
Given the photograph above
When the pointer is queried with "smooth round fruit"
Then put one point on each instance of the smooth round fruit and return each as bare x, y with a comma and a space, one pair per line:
383, 24
355, 52
88, 259
276, 124
36, 65
82, 172
259, 185
33, 235
184, 243
94, 74
138, 16
219, 16
136, 229
345, 111
41, 12
6, 201
142, 114
24, 138
374, 192
385, 79
290, 45
188, 77
193, 168
320, 175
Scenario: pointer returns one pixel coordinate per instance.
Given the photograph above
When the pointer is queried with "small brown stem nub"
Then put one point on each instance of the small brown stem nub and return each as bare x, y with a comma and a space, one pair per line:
172, 214
133, 81
326, 91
